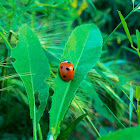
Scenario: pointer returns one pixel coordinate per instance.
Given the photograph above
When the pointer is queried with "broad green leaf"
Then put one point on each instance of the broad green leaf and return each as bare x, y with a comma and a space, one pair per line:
125, 28
83, 49
138, 38
32, 65
131, 133
122, 80
70, 128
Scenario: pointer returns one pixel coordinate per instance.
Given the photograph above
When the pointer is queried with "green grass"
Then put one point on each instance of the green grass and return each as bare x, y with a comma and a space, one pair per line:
35, 36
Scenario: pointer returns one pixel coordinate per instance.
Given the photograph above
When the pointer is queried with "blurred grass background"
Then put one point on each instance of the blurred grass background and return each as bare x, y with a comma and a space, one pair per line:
53, 21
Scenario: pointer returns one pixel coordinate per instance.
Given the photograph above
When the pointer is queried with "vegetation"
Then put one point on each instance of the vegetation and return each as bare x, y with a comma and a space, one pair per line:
102, 40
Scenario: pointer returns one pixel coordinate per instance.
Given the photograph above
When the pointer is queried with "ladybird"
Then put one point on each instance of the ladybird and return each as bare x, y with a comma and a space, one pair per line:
66, 70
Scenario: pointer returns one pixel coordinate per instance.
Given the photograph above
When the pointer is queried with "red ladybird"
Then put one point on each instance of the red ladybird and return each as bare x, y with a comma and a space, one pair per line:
66, 70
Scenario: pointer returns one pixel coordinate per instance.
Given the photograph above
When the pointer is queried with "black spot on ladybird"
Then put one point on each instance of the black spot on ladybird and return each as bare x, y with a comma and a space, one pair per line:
68, 62
61, 67
73, 68
64, 76
67, 69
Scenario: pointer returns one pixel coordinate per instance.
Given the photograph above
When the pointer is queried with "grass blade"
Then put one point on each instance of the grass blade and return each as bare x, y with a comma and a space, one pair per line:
115, 116
98, 105
130, 105
69, 129
104, 76
138, 38
120, 24
88, 118
138, 101
125, 28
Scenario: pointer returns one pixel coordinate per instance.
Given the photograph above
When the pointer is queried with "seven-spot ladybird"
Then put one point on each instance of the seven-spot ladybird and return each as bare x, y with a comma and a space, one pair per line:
66, 70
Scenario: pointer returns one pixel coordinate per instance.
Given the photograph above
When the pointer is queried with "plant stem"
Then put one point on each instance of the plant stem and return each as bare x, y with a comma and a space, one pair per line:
6, 41
34, 125
138, 104
114, 116
133, 4
53, 74
33, 20
29, 2
120, 24
88, 118
129, 100
40, 132
15, 35
138, 113
5, 64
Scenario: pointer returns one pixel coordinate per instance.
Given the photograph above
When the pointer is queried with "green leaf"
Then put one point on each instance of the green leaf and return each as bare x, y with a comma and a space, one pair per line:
5, 66
53, 3
138, 103
52, 57
131, 133
133, 1
103, 75
138, 38
138, 93
130, 104
69, 129
125, 28
97, 102
122, 80
32, 65
83, 49
115, 116
5, 41
2, 8
91, 3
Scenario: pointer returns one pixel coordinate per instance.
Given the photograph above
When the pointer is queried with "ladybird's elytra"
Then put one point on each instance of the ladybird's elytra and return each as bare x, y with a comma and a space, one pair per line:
66, 69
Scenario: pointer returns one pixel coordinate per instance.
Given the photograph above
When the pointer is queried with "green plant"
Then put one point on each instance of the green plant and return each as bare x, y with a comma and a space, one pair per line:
32, 46
138, 52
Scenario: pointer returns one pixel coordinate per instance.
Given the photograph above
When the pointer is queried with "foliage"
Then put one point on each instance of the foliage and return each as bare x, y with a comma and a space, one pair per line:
35, 35
79, 44
130, 133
